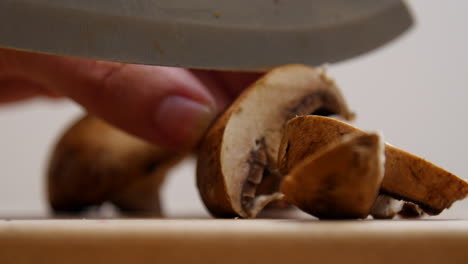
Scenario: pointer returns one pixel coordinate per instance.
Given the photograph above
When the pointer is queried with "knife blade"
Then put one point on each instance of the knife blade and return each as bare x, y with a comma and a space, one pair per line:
208, 34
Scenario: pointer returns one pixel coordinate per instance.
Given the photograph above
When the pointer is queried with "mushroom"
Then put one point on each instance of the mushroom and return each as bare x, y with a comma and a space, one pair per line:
407, 176
386, 207
93, 163
340, 181
237, 157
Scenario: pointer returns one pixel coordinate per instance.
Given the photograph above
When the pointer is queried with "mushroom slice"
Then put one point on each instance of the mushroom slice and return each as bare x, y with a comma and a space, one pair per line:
238, 154
407, 176
340, 181
94, 163
386, 207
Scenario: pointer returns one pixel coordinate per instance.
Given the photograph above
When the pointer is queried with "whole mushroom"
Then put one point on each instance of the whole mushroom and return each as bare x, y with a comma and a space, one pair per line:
93, 163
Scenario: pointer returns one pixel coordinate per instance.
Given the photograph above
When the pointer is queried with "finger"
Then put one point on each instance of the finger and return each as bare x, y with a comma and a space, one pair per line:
167, 106
15, 90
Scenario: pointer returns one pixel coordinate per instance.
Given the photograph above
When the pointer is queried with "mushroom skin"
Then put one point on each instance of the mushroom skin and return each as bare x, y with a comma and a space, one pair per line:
93, 163
340, 181
239, 151
407, 177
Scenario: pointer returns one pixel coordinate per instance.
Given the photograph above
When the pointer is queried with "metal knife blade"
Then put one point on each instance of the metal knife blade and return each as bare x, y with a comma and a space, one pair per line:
210, 34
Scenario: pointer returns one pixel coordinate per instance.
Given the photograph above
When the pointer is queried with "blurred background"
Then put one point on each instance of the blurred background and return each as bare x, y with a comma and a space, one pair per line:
413, 91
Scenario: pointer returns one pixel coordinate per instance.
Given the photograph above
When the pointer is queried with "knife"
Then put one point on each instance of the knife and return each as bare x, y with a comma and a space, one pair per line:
207, 34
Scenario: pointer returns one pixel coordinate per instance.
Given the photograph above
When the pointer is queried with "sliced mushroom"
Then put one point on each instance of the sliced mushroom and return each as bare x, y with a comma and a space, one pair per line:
339, 181
238, 154
94, 163
386, 207
407, 176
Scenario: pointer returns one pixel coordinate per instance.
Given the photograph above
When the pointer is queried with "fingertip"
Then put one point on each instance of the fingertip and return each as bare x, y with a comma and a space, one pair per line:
182, 121
167, 106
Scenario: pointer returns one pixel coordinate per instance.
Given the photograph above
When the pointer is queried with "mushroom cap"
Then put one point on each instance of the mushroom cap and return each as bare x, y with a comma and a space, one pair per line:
239, 151
340, 181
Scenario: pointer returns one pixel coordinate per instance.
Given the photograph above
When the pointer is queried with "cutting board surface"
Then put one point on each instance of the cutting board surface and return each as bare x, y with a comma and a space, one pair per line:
233, 241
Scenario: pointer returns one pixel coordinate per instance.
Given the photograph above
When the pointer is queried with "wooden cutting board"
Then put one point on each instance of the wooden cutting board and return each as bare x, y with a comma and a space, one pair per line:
233, 241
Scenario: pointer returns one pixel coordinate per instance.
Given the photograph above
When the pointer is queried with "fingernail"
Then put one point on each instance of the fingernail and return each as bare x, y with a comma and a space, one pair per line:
182, 121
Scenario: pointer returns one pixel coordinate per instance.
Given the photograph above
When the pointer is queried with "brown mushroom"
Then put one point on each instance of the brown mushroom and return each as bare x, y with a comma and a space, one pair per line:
340, 181
407, 176
238, 154
94, 163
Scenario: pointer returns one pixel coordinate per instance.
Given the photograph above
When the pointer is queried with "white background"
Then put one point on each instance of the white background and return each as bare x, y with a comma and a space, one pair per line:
413, 90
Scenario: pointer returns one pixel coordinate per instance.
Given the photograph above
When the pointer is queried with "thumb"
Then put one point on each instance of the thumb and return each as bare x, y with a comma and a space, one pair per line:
167, 106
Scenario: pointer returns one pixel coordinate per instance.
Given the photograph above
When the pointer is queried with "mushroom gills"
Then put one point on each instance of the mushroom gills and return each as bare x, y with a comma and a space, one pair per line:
257, 163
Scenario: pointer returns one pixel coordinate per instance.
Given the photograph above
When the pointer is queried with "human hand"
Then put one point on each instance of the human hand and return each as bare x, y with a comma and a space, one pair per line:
171, 107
